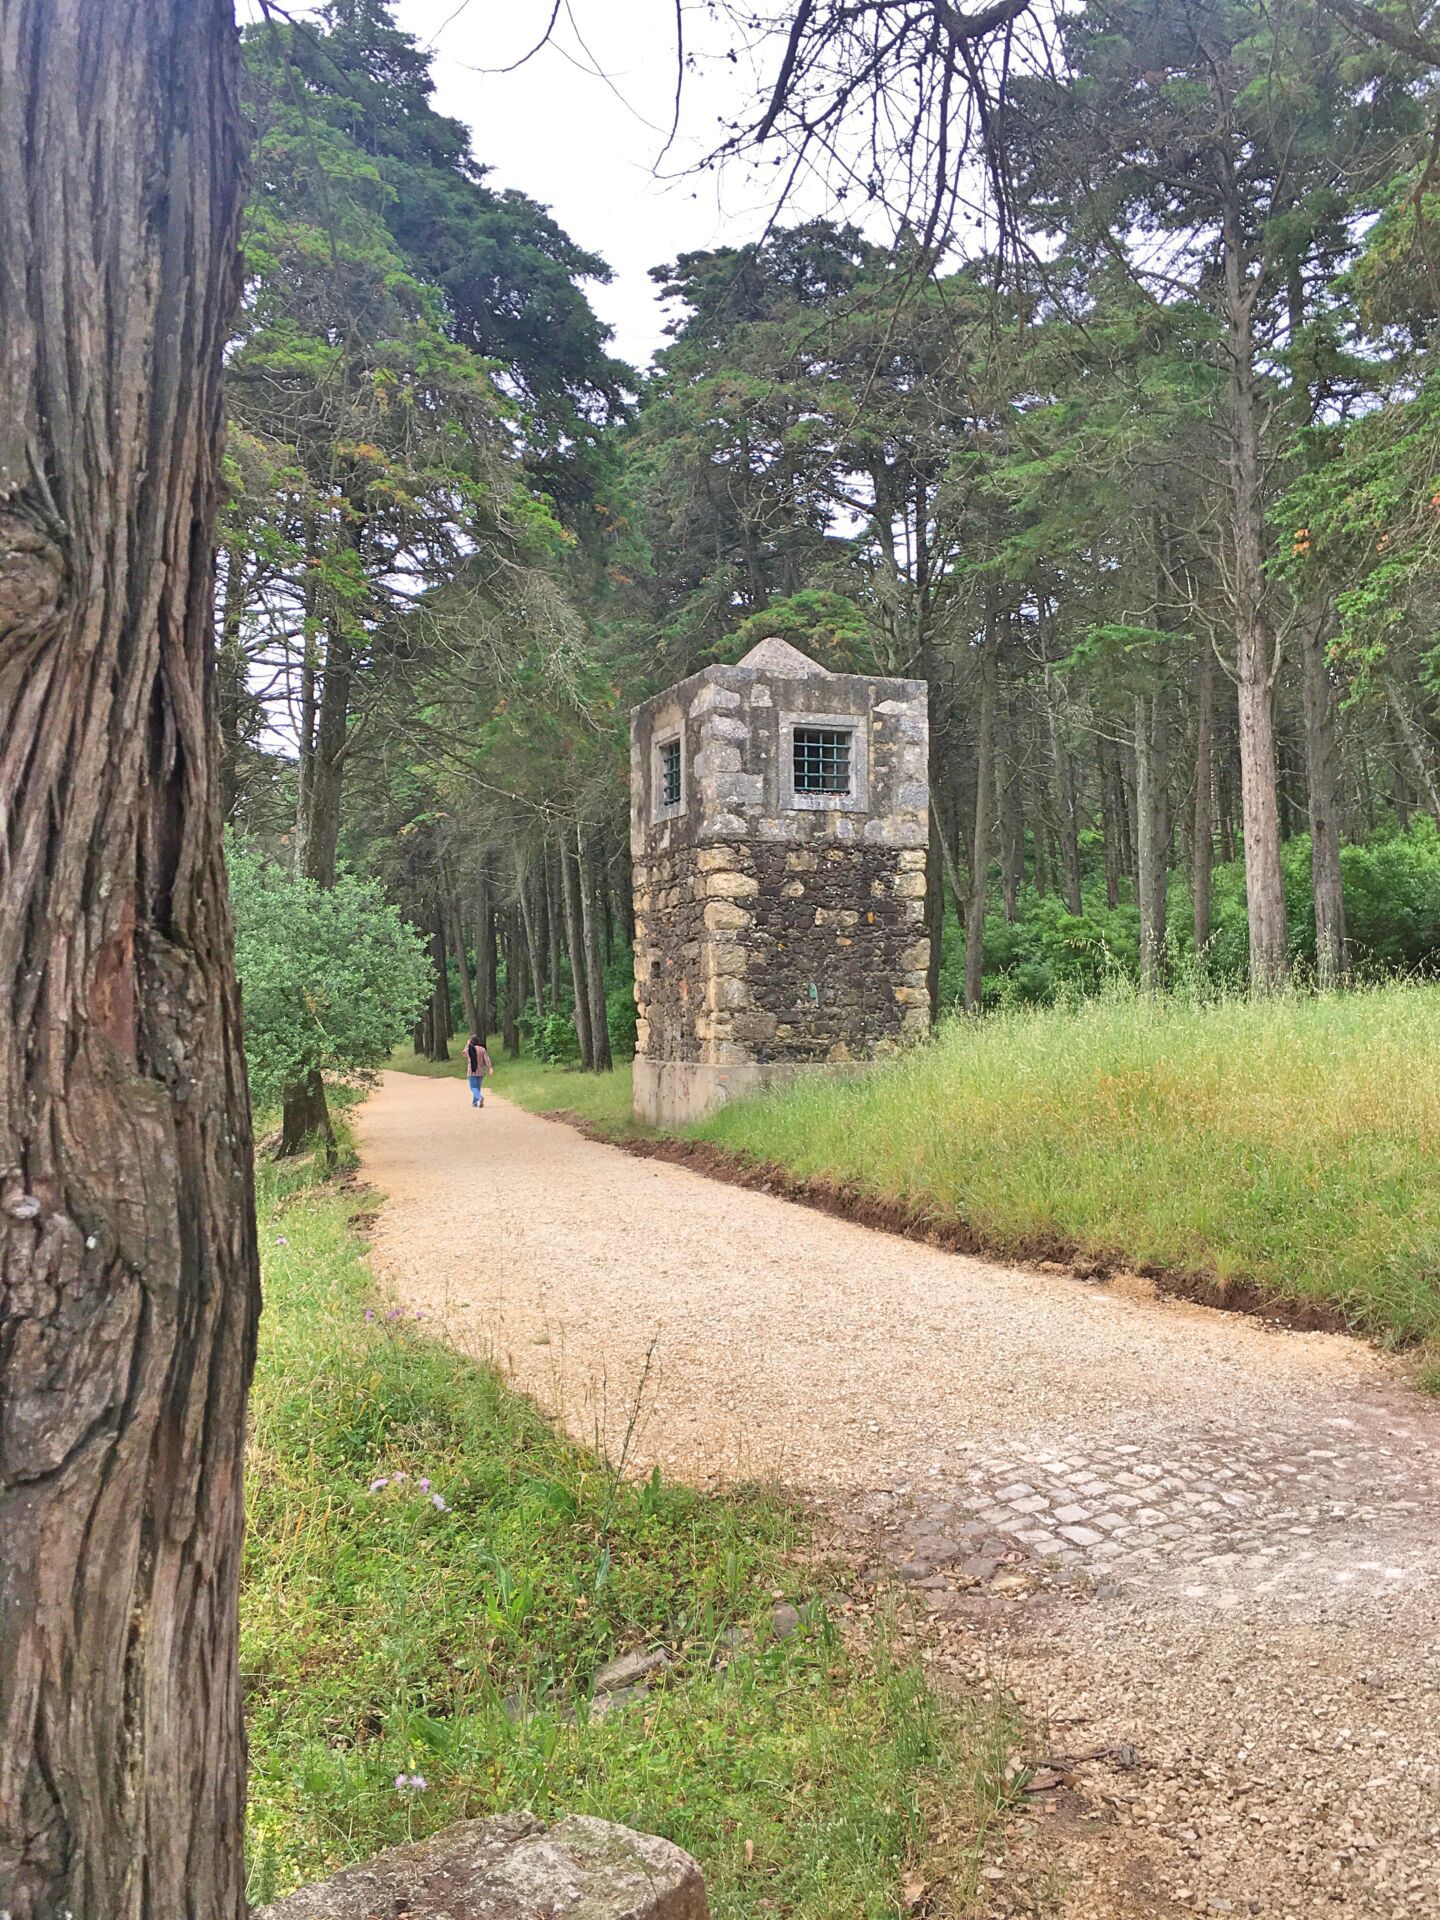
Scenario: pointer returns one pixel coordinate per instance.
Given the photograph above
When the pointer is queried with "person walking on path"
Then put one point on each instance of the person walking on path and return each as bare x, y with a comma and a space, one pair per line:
477, 1065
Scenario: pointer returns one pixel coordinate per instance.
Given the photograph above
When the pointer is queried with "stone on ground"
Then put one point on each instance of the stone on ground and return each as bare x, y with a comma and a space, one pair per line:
512, 1868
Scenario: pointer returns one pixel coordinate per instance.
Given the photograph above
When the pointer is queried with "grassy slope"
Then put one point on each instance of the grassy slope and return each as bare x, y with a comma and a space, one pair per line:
1290, 1142
385, 1636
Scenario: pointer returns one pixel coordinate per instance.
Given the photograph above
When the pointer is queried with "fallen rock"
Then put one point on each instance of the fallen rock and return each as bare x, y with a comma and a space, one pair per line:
512, 1868
629, 1669
784, 1619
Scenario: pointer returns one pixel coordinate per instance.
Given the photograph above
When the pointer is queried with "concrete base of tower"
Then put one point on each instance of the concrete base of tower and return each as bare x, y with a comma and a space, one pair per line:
676, 1093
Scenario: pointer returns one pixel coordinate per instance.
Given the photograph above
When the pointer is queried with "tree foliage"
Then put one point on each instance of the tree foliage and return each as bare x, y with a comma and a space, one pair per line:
331, 978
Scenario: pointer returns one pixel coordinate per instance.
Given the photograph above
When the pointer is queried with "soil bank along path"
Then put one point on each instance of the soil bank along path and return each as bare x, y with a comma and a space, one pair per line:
1203, 1549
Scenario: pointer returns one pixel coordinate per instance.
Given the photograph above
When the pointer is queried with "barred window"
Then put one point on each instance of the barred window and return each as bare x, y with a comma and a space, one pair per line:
670, 774
822, 760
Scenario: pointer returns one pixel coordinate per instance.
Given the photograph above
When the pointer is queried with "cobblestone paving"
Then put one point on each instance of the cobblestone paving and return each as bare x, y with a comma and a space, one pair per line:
1210, 1514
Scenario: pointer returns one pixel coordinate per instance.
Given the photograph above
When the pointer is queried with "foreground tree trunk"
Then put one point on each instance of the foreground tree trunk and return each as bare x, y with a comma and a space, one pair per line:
128, 1276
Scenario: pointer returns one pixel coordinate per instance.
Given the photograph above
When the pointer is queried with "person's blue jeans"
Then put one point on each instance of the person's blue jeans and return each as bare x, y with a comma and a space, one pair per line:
477, 1089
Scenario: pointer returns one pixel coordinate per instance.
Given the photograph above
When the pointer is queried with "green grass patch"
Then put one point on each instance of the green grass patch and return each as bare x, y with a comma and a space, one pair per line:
603, 1099
447, 1624
1293, 1143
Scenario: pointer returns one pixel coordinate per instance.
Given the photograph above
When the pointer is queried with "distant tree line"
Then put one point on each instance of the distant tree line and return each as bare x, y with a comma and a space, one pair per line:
1145, 489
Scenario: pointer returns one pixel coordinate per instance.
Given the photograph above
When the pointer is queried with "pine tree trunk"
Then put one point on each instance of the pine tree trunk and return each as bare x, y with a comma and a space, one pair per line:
1255, 655
1203, 850
575, 943
1011, 814
555, 919
1322, 777
600, 1056
1110, 820
510, 1018
1067, 807
439, 992
980, 842
1414, 744
1152, 835
129, 1288
320, 819
487, 958
525, 884
230, 688
462, 961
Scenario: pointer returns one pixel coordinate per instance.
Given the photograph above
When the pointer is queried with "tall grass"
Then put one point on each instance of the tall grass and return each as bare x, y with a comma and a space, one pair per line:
1290, 1142
455, 1643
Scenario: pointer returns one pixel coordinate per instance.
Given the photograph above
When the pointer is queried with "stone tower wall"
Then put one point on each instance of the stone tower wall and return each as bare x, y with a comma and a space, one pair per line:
775, 932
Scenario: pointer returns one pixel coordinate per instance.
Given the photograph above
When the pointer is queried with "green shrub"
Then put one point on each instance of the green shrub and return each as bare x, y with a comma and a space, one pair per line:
331, 979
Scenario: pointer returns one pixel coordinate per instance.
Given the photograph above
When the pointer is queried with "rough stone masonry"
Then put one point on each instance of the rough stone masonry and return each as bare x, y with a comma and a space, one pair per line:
778, 830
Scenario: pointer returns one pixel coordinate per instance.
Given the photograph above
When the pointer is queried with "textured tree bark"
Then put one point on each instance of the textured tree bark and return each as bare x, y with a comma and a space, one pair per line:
1067, 805
1203, 850
1415, 746
319, 826
600, 1057
305, 1118
462, 962
575, 944
525, 886
305, 1114
510, 1011
1010, 810
440, 992
1322, 780
487, 955
980, 842
128, 1277
1254, 645
1152, 836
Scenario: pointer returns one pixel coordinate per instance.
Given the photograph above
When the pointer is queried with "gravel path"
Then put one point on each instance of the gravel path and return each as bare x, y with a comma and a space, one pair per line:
1173, 1531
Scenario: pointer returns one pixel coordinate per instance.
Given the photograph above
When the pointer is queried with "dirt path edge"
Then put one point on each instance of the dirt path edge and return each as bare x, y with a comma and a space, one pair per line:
847, 1200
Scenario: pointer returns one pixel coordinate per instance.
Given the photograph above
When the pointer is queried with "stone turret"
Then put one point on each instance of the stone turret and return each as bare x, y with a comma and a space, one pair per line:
778, 832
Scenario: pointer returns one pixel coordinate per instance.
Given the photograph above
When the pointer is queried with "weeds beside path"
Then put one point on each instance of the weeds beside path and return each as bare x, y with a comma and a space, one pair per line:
434, 1575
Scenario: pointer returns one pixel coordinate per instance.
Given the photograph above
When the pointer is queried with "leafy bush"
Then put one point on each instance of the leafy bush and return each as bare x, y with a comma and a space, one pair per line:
1047, 954
331, 978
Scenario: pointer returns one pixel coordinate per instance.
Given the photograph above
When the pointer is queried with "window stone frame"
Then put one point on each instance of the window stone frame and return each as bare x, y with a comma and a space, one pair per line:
857, 725
659, 810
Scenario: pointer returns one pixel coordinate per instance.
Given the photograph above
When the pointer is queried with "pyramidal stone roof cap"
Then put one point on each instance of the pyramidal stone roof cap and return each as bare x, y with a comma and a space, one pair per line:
778, 656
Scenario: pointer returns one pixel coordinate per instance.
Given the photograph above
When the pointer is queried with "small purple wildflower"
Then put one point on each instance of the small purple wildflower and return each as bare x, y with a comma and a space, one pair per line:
438, 1503
376, 1485
369, 1313
423, 1484
393, 1314
281, 1241
412, 1782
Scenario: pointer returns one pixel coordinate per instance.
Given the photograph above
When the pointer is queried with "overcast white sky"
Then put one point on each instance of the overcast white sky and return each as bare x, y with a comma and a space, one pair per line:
587, 146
